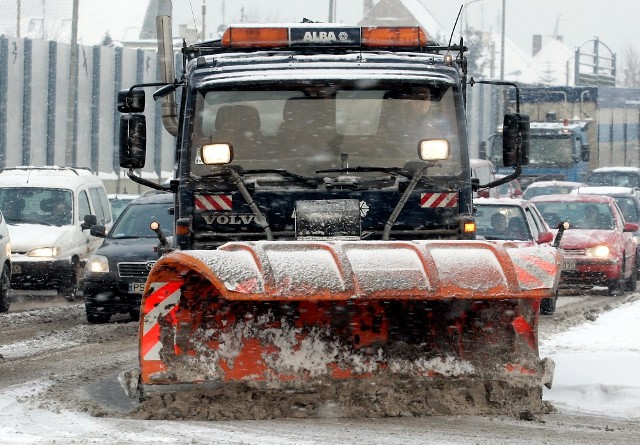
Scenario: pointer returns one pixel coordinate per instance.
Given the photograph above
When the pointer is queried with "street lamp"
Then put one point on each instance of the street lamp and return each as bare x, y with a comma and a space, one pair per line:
466, 22
502, 34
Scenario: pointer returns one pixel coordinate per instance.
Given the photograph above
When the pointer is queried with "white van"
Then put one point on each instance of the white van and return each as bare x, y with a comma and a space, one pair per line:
49, 211
484, 170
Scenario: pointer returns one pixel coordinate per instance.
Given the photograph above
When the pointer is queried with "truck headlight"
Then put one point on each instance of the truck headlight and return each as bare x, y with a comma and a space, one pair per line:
216, 154
98, 264
434, 149
45, 252
600, 251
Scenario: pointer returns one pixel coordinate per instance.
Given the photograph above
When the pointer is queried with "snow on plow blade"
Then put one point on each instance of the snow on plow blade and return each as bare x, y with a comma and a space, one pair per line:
305, 315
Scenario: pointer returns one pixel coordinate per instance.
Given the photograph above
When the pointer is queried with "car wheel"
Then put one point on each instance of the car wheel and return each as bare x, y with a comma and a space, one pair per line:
617, 286
70, 290
93, 315
134, 314
5, 288
548, 305
632, 283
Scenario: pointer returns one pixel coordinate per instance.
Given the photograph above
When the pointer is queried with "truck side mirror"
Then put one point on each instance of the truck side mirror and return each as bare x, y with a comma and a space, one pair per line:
515, 140
131, 101
133, 140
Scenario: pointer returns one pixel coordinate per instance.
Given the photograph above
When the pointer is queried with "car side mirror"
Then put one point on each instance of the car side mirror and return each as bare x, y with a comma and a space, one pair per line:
89, 221
545, 237
98, 231
631, 227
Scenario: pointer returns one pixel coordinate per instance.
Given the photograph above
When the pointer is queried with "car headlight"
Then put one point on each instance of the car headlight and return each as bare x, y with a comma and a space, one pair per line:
45, 252
600, 251
98, 264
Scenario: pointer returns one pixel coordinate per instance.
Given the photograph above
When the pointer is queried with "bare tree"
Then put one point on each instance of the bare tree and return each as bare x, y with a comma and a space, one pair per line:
631, 67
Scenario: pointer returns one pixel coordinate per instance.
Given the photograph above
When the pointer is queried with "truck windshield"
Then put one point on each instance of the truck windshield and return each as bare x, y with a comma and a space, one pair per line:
322, 127
544, 150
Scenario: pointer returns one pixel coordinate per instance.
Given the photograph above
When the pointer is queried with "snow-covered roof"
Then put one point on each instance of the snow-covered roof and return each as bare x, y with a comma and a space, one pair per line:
617, 169
518, 65
606, 190
404, 12
555, 62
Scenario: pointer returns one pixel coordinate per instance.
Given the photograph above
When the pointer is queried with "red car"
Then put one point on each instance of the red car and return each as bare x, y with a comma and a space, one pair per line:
599, 247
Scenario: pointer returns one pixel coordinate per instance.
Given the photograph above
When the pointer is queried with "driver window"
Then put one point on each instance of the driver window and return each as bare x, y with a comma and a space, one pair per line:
83, 205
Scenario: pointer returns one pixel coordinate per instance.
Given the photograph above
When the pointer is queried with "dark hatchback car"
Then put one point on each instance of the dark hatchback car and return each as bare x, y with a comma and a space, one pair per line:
116, 273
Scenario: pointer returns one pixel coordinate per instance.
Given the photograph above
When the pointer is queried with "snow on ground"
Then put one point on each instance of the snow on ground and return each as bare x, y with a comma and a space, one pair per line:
598, 365
597, 372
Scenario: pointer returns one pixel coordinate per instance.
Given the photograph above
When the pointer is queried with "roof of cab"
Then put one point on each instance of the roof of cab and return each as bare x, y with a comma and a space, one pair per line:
48, 177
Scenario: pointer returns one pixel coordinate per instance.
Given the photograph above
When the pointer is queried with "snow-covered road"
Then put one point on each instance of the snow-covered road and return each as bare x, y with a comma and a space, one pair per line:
44, 388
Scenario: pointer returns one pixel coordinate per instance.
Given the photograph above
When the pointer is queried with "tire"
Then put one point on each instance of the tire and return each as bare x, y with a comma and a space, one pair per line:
134, 314
632, 283
617, 286
93, 315
70, 291
548, 305
5, 289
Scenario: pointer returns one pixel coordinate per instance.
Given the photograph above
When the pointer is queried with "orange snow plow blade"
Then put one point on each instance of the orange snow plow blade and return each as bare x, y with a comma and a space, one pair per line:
299, 314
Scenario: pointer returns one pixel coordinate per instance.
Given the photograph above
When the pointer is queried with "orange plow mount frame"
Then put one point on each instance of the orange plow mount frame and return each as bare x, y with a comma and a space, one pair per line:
284, 314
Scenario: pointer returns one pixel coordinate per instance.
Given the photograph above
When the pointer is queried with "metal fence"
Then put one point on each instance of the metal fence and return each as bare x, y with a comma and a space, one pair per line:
36, 127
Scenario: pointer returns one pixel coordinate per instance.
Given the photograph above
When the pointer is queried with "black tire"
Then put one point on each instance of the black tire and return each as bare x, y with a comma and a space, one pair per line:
632, 283
93, 315
548, 305
134, 314
5, 289
617, 286
70, 291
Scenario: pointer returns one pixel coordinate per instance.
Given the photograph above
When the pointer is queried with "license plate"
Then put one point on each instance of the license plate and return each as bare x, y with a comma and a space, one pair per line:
136, 288
568, 265
16, 269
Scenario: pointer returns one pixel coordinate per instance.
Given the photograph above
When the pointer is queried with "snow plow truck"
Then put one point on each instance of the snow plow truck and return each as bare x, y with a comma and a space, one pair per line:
324, 256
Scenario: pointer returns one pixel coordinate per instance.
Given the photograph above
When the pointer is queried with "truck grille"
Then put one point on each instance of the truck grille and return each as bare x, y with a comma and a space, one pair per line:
136, 270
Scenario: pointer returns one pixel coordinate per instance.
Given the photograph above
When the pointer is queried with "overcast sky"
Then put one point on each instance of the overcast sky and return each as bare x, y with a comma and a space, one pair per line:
614, 22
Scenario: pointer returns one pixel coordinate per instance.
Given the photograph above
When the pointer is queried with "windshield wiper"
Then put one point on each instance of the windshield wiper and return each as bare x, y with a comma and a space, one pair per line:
392, 170
285, 174
277, 171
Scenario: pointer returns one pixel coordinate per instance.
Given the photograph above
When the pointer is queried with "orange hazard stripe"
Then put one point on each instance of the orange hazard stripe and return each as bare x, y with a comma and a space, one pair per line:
154, 310
159, 295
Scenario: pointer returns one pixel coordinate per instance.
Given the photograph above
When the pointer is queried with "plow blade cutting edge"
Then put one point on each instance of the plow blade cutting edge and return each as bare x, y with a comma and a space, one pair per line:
307, 316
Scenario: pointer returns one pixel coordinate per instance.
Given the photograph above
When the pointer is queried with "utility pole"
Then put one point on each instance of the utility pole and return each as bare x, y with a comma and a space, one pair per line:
504, 17
18, 21
332, 11
70, 150
204, 13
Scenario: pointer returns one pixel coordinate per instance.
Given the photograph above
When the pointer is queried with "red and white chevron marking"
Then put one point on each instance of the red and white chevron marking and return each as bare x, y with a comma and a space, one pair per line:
432, 200
160, 304
213, 202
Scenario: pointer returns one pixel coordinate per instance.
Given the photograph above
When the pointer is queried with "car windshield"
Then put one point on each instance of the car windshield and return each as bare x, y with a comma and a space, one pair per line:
580, 215
35, 205
530, 192
135, 221
336, 126
501, 222
118, 205
628, 207
614, 178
